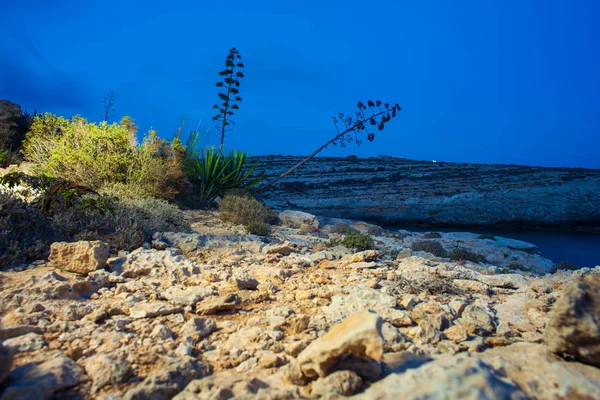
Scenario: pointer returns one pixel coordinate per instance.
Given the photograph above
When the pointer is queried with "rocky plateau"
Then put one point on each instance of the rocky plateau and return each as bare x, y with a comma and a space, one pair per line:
398, 191
218, 314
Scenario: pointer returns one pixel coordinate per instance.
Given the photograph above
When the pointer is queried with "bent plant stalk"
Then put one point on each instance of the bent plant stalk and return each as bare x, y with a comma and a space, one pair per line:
357, 126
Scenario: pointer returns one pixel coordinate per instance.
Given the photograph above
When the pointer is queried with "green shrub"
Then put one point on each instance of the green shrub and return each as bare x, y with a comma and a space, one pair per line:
333, 243
13, 126
212, 173
430, 246
123, 224
244, 210
258, 228
564, 265
460, 253
358, 241
25, 234
104, 157
490, 237
431, 235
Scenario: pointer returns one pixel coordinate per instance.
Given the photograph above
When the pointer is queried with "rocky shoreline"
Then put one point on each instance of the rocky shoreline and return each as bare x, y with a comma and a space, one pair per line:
217, 314
394, 191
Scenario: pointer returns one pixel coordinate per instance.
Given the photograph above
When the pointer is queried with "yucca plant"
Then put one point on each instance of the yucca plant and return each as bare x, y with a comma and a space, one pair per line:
213, 173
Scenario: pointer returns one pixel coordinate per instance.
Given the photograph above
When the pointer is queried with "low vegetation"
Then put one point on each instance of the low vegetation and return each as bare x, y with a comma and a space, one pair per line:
57, 210
105, 157
565, 266
430, 246
358, 241
241, 208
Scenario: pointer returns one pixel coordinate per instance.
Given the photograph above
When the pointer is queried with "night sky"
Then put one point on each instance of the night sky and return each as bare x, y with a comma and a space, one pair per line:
511, 82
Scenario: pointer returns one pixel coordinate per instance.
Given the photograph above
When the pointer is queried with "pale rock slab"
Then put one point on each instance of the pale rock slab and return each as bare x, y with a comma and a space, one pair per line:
574, 326
340, 383
80, 257
359, 334
42, 377
296, 219
449, 378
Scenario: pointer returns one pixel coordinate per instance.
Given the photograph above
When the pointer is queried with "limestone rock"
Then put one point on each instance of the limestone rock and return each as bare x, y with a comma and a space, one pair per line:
224, 385
164, 383
295, 219
80, 257
342, 383
478, 320
154, 309
282, 249
214, 305
28, 342
542, 374
107, 369
574, 327
359, 334
364, 256
43, 377
448, 377
186, 296
200, 327
6, 358
456, 333
243, 281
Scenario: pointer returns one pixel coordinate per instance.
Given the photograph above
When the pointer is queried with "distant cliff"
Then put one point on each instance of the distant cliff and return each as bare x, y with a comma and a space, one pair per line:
394, 190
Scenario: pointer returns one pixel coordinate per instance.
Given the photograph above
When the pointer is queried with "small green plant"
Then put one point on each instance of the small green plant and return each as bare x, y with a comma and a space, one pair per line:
564, 265
231, 81
245, 210
358, 241
258, 228
333, 243
488, 237
460, 253
431, 235
342, 229
212, 173
430, 246
4, 157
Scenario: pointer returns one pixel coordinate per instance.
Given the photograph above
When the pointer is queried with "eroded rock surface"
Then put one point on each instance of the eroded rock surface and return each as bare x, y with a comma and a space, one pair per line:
216, 313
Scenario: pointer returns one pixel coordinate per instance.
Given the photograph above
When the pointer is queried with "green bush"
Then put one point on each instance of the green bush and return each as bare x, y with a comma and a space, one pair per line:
212, 173
343, 229
358, 241
25, 234
64, 211
258, 228
564, 265
460, 253
431, 235
430, 246
13, 126
104, 157
123, 224
245, 210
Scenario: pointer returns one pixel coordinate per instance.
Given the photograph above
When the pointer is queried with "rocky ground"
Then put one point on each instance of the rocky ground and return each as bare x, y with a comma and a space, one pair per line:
400, 191
217, 314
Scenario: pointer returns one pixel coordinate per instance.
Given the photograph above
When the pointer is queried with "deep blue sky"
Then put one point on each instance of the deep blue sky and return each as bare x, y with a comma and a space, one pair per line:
515, 81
